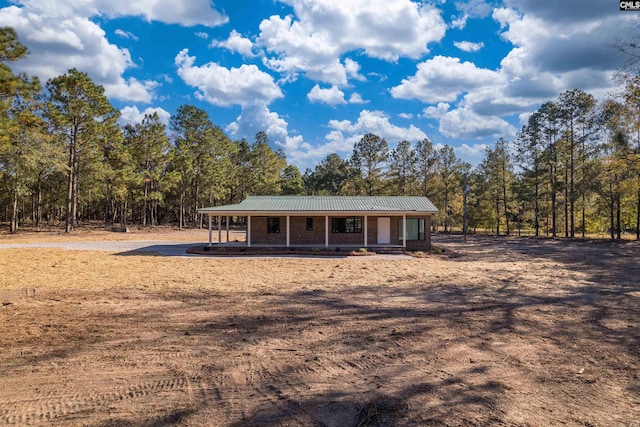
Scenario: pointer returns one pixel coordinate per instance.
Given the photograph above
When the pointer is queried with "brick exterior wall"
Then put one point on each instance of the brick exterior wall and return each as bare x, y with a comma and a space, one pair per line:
299, 235
260, 234
355, 239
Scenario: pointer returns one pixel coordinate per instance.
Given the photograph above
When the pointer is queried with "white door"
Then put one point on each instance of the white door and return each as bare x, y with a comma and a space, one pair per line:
384, 230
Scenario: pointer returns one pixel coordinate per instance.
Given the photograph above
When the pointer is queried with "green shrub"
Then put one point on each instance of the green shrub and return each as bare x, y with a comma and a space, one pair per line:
363, 250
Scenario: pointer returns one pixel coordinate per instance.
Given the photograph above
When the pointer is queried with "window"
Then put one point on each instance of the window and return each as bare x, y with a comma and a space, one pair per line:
415, 228
346, 225
309, 224
273, 225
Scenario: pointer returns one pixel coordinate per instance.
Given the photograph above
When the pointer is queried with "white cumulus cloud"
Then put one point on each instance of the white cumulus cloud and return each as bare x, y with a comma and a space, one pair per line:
58, 43
236, 43
468, 46
345, 133
132, 115
186, 13
126, 34
62, 35
227, 86
331, 96
464, 123
356, 98
444, 79
321, 31
256, 117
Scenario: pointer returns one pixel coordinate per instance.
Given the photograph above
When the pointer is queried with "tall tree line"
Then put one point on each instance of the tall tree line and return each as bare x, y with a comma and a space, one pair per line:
65, 159
572, 170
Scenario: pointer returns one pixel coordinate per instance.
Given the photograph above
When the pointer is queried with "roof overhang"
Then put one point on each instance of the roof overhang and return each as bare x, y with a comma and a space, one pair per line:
235, 212
325, 205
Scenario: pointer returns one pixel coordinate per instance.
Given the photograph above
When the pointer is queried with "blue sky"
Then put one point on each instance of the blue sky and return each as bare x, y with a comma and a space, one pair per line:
316, 75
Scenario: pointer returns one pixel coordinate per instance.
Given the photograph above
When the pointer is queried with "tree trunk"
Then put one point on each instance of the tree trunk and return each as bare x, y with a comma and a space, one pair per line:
196, 190
504, 198
536, 209
553, 212
13, 225
114, 212
584, 221
38, 214
446, 209
123, 213
144, 204
566, 200
612, 213
181, 213
74, 206
638, 212
572, 192
107, 207
497, 216
154, 213
68, 224
618, 225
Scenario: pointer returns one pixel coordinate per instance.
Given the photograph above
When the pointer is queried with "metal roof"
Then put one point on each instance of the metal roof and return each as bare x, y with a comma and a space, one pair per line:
338, 204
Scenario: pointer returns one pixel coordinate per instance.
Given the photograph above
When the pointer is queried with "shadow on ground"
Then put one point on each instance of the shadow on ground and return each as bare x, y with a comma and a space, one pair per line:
498, 351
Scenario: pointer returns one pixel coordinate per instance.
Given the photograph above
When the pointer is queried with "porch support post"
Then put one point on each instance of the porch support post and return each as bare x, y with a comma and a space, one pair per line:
288, 230
404, 231
248, 231
210, 230
219, 229
227, 221
366, 231
326, 231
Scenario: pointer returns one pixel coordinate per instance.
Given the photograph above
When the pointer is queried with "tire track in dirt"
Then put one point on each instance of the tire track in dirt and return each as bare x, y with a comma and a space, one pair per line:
52, 406
258, 387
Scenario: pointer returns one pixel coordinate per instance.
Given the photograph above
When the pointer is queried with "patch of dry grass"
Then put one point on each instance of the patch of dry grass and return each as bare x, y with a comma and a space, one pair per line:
512, 332
62, 269
102, 233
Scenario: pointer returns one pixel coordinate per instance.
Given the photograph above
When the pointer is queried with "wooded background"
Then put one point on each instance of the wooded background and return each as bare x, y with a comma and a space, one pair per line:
573, 170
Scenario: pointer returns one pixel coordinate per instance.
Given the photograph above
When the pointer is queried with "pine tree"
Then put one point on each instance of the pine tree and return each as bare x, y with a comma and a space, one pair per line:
426, 160
448, 182
291, 182
370, 155
196, 151
149, 146
403, 163
266, 167
21, 130
332, 176
80, 117
575, 109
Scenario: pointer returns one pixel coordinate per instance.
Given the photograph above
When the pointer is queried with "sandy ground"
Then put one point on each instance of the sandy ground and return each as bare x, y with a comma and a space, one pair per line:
515, 332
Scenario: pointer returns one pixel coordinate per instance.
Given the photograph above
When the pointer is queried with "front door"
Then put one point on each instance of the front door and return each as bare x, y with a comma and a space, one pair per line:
384, 230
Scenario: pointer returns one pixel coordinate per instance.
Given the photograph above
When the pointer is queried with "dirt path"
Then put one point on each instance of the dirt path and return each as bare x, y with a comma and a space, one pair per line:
510, 332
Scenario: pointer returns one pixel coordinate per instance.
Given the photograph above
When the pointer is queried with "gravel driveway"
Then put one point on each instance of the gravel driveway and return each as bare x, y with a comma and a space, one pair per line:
169, 248
161, 247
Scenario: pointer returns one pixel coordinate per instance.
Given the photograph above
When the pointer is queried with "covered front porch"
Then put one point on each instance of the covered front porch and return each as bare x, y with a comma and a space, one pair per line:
327, 221
304, 232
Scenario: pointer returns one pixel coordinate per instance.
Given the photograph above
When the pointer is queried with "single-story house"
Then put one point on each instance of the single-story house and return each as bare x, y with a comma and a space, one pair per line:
331, 221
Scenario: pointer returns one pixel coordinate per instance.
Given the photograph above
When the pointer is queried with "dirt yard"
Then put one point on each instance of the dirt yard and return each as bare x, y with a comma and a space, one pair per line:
509, 332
